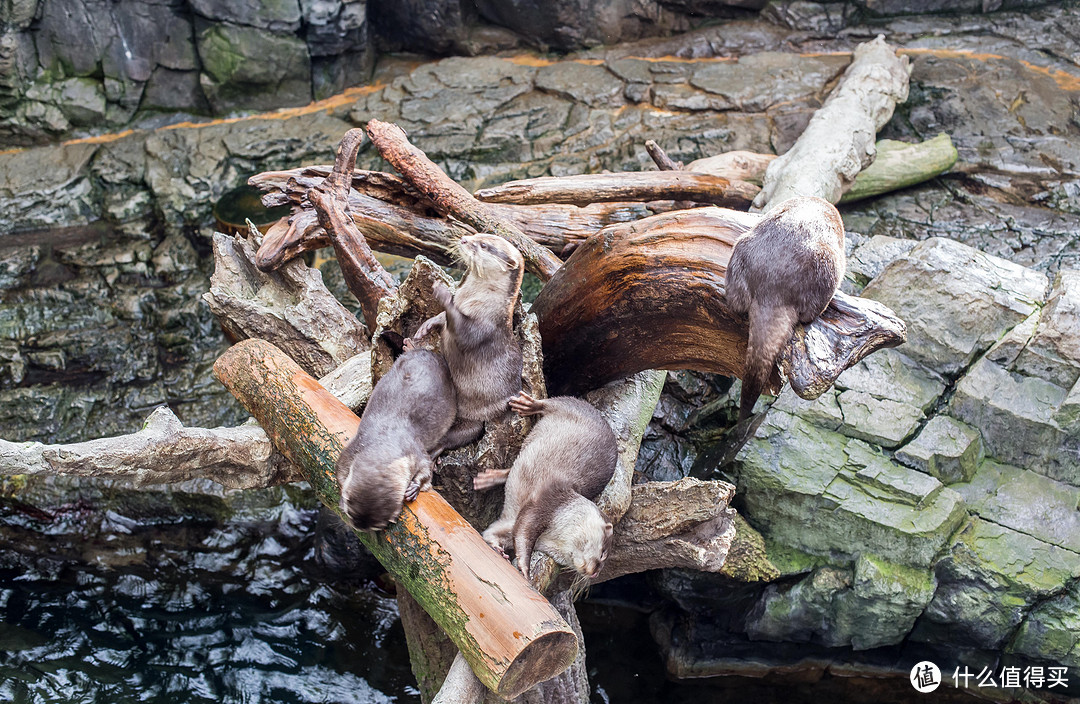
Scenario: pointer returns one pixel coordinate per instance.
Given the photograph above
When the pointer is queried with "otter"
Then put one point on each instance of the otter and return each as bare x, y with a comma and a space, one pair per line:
477, 333
567, 460
390, 459
785, 270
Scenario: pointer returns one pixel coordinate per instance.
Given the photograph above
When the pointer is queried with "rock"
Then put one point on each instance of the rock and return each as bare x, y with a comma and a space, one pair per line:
1027, 502
824, 411
1015, 415
1008, 348
881, 421
872, 256
797, 612
245, 68
988, 579
945, 448
1051, 631
423, 26
966, 301
882, 605
748, 557
274, 15
168, 89
890, 375
815, 491
594, 86
1053, 352
759, 81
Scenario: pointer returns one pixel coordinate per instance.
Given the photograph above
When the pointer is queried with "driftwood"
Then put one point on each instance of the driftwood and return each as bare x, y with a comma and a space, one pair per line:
364, 275
623, 186
292, 307
511, 636
838, 142
451, 199
900, 164
744, 166
650, 295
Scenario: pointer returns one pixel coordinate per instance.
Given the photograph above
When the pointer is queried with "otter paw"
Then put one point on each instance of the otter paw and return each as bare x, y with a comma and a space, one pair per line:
525, 405
442, 294
412, 491
408, 345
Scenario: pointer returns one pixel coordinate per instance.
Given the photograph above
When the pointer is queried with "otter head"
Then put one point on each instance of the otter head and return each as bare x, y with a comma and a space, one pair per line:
373, 492
591, 544
490, 256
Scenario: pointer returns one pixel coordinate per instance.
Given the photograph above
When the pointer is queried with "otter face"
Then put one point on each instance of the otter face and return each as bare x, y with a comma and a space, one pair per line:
485, 254
372, 496
591, 546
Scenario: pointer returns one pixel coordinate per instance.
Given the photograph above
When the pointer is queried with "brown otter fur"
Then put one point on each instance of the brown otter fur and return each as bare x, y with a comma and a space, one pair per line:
784, 271
477, 333
566, 461
389, 460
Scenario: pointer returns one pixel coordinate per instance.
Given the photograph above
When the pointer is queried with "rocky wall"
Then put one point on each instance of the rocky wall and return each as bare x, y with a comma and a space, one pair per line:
928, 501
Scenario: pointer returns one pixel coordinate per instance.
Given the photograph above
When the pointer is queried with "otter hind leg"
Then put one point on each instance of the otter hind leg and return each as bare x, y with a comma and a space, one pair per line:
525, 405
490, 478
462, 432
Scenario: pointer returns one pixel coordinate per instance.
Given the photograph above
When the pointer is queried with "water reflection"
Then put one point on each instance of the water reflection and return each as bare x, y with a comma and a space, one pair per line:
112, 605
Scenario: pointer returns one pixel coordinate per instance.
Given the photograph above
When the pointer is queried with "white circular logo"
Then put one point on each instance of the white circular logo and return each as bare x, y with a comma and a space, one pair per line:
925, 677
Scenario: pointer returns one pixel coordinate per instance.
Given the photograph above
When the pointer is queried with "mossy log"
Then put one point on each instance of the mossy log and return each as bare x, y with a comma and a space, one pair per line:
900, 164
650, 295
510, 635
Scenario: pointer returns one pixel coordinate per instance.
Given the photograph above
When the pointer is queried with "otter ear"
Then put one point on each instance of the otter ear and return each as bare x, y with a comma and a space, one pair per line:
608, 530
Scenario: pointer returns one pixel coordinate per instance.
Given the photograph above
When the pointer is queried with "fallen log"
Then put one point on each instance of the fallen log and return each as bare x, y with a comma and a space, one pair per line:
511, 636
451, 199
900, 164
585, 189
838, 142
650, 295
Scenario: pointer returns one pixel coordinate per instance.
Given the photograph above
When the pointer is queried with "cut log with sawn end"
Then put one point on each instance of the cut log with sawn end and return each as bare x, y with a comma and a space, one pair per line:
511, 636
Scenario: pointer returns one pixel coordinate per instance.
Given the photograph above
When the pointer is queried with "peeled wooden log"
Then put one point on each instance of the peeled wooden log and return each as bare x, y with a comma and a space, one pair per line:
900, 164
650, 295
510, 635
744, 166
624, 186
838, 142
451, 199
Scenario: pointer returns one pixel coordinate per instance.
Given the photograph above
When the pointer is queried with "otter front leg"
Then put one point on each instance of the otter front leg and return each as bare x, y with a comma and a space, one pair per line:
497, 535
462, 432
421, 481
437, 322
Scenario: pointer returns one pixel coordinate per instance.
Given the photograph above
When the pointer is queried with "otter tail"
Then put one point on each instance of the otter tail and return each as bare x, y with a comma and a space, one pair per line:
771, 328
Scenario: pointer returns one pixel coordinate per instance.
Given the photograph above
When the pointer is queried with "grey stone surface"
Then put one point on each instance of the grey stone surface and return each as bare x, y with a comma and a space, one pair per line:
881, 421
1051, 631
966, 301
987, 580
891, 375
247, 68
945, 448
872, 256
1016, 416
1053, 352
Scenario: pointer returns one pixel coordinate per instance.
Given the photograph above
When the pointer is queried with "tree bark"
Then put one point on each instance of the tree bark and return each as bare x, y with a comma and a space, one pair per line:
838, 142
585, 189
650, 295
511, 636
451, 199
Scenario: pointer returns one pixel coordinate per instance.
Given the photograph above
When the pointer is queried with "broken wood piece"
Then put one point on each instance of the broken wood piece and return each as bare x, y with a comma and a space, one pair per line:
451, 199
650, 295
364, 275
510, 635
736, 165
838, 142
624, 186
900, 164
291, 307
661, 158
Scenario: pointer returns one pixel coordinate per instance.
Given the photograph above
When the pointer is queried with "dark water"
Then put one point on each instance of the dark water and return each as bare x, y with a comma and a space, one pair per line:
169, 596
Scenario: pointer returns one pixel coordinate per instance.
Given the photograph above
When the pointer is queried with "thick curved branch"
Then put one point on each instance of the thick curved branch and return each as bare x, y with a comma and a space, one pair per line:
650, 295
451, 198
